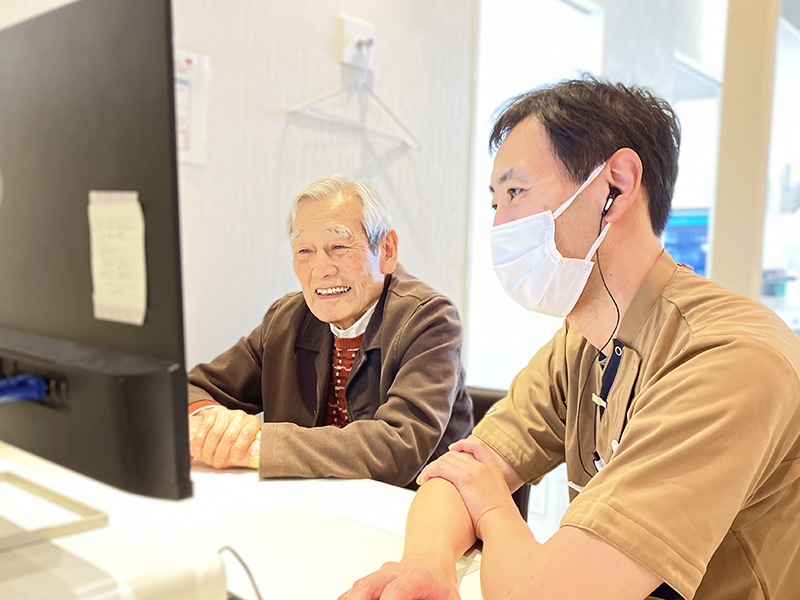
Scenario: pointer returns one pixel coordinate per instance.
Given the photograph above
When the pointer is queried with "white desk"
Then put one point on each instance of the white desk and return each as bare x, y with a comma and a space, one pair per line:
302, 539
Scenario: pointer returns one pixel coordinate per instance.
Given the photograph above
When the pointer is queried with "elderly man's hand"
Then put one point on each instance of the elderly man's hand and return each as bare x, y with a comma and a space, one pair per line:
475, 469
402, 581
222, 437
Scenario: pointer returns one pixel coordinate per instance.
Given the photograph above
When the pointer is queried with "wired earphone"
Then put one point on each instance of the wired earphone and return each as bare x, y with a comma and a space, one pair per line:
613, 192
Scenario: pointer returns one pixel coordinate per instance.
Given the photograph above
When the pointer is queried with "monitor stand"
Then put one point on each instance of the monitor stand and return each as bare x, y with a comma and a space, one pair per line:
13, 536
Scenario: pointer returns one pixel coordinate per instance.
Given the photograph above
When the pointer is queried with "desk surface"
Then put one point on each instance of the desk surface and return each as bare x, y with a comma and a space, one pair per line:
302, 539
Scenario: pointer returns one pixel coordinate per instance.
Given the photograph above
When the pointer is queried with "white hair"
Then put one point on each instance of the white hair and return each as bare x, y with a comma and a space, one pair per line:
374, 218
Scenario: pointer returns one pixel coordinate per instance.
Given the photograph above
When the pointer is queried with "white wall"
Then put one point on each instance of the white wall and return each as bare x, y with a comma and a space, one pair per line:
267, 56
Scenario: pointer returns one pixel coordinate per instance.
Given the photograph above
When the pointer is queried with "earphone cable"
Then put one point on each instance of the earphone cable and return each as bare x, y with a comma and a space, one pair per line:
599, 352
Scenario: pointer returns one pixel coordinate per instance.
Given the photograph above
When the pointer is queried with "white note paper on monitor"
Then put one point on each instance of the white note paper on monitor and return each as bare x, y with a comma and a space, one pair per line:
119, 272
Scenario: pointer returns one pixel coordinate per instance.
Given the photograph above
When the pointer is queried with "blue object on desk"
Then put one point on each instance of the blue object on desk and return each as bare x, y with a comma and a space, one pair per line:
22, 387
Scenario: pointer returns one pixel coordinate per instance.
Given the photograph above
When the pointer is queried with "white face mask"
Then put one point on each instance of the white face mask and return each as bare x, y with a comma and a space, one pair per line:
530, 268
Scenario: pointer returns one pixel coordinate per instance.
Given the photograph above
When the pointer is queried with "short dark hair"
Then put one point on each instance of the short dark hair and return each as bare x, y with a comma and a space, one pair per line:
587, 120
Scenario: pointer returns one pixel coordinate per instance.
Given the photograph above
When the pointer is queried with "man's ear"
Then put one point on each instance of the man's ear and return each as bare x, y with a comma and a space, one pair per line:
388, 252
624, 174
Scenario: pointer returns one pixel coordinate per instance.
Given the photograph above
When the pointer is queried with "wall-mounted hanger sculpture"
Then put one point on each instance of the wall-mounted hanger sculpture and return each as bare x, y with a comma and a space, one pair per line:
361, 86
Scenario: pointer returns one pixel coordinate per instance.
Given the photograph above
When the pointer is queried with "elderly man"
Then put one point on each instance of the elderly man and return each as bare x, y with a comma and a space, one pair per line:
674, 402
358, 376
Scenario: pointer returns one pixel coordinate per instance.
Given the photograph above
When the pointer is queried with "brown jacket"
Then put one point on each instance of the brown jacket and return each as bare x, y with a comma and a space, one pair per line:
406, 396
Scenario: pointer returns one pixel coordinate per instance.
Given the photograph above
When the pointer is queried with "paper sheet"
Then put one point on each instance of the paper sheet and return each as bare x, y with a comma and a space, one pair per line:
119, 272
192, 75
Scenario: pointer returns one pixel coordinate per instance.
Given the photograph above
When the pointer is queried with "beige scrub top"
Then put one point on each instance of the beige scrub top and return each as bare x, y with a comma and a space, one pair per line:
700, 437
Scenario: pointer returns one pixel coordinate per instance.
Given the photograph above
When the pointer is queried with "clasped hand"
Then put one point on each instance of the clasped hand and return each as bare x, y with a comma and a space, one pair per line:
222, 437
476, 471
402, 581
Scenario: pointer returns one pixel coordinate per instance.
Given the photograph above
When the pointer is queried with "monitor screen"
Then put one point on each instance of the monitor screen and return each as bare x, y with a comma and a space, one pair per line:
87, 111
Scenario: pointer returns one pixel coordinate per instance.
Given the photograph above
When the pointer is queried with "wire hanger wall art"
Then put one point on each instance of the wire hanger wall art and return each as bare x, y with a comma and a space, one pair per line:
360, 87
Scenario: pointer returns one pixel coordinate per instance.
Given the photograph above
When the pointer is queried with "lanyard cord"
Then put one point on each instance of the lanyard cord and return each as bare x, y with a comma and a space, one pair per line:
599, 353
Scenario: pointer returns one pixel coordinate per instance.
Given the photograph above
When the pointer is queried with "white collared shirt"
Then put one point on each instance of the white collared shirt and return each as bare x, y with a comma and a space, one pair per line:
357, 328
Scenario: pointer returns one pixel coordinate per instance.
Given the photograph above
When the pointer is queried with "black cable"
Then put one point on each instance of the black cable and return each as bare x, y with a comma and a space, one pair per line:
246, 570
599, 352
603, 279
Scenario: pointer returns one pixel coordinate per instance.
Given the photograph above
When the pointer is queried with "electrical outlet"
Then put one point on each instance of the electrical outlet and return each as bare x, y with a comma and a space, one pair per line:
358, 44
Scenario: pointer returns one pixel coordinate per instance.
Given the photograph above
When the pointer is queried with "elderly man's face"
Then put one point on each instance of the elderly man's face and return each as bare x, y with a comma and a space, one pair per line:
340, 276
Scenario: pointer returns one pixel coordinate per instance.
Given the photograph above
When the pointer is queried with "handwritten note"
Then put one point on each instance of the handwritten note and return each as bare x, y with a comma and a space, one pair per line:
119, 272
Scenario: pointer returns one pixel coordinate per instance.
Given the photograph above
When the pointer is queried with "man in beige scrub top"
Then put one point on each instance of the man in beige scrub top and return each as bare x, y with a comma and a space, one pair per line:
674, 402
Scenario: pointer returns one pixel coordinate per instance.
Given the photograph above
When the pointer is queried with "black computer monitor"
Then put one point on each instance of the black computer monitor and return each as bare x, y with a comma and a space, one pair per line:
87, 104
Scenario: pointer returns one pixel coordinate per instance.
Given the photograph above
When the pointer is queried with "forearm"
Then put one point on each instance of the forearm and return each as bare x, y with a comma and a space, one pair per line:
236, 390
574, 564
232, 379
438, 529
507, 544
365, 449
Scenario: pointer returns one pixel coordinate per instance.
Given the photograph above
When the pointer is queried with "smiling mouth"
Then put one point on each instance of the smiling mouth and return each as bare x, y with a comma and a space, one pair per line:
332, 291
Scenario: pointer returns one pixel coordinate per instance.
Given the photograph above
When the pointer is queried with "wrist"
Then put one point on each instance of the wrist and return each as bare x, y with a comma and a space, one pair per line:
443, 568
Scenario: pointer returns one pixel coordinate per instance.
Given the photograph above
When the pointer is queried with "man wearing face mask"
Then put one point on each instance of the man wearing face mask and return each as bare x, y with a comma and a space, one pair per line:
358, 376
674, 402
